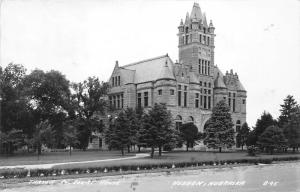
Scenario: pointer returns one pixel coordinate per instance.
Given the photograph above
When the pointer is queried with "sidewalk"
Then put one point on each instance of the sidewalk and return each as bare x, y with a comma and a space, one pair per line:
50, 165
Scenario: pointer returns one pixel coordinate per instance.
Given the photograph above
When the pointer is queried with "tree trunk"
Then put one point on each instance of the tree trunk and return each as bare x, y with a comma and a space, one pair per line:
220, 149
242, 147
39, 149
294, 149
122, 151
159, 150
152, 152
70, 152
187, 146
139, 148
128, 148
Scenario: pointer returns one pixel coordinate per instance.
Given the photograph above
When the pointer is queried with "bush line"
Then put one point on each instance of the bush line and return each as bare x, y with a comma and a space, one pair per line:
22, 173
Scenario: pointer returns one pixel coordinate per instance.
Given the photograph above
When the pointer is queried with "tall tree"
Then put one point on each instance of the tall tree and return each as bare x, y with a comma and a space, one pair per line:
16, 120
219, 132
265, 121
158, 128
244, 133
292, 130
49, 96
272, 138
88, 100
189, 133
70, 135
288, 108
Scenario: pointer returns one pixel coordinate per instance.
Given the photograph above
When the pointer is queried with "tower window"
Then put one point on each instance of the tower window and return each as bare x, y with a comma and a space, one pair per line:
244, 101
208, 67
209, 102
186, 39
205, 102
204, 84
233, 105
197, 100
209, 85
119, 80
114, 100
200, 83
207, 40
200, 38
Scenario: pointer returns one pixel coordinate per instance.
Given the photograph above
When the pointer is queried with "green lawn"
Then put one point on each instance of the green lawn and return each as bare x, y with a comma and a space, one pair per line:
58, 157
178, 157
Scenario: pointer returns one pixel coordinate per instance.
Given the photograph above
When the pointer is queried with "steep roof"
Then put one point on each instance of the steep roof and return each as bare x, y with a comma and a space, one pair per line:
196, 12
219, 78
166, 73
152, 69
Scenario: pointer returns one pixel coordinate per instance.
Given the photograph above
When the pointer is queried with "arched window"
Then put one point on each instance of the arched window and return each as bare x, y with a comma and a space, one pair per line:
238, 122
190, 119
178, 122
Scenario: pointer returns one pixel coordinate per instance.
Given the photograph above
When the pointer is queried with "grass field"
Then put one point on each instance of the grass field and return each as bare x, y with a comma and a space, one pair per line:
58, 157
178, 157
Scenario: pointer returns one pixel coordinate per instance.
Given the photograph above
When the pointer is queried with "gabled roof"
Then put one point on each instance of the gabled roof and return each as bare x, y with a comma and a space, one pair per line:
151, 69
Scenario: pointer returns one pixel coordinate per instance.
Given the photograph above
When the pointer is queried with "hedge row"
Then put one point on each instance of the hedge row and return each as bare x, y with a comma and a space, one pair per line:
21, 173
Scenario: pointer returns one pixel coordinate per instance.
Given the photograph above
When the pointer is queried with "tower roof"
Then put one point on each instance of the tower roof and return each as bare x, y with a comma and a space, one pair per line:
196, 12
219, 82
166, 72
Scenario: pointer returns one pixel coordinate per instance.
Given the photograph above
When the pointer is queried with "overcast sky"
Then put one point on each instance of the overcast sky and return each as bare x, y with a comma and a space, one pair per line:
258, 39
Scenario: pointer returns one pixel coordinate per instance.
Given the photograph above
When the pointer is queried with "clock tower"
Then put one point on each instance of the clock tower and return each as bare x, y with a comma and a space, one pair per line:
196, 43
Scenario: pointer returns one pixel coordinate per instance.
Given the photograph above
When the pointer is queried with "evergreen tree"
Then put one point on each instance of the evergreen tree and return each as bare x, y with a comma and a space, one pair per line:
158, 130
272, 138
189, 133
244, 133
265, 121
288, 108
292, 130
219, 132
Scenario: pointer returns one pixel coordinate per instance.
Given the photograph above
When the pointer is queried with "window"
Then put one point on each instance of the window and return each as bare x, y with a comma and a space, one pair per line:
229, 102
139, 100
199, 66
200, 83
122, 101
244, 101
197, 100
185, 88
114, 101
209, 85
201, 100
209, 91
204, 39
233, 94
202, 66
207, 40
186, 29
118, 101
179, 98
209, 102
205, 91
200, 38
204, 84
179, 87
146, 99
113, 81
110, 101
205, 65
178, 121
172, 92
205, 102
233, 105
186, 39
185, 99
119, 82
208, 67
159, 92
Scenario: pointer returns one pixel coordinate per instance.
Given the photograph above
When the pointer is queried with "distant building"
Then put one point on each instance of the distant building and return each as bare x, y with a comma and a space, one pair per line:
191, 87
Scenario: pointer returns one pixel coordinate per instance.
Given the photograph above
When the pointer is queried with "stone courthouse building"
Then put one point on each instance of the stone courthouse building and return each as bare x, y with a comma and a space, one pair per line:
190, 87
